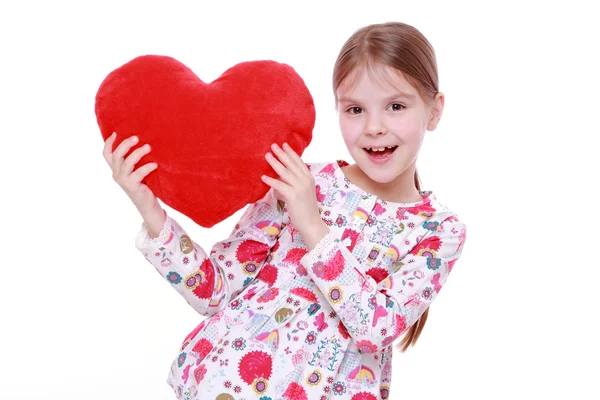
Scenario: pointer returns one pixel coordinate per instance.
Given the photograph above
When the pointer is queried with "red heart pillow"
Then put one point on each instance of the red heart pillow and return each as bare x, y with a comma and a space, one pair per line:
209, 140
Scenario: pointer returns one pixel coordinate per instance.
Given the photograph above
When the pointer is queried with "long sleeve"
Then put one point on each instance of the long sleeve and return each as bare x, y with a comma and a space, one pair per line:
205, 281
375, 313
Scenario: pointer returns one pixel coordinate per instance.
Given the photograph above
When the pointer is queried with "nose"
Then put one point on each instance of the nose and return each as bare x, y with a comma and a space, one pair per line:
375, 125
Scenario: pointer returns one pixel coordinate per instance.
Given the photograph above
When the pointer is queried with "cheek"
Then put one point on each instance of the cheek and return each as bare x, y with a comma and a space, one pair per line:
408, 130
350, 129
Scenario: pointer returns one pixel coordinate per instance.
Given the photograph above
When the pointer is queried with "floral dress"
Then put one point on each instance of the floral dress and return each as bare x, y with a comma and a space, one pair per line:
286, 323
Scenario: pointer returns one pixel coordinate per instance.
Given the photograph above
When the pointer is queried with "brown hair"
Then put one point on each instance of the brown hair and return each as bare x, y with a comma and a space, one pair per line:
402, 47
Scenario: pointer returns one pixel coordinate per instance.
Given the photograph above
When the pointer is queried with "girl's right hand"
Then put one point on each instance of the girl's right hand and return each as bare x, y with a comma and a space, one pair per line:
129, 180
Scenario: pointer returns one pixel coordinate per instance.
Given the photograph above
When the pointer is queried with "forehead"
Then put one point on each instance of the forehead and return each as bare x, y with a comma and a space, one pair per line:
365, 79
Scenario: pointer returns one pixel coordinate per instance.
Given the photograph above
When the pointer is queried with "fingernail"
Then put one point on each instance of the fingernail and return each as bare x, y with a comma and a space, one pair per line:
134, 138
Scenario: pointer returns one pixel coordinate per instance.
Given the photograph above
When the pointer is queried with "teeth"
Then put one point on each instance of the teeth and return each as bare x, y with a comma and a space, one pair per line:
380, 149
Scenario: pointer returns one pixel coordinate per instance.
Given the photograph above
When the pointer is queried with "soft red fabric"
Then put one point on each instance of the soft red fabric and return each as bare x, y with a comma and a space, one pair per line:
209, 140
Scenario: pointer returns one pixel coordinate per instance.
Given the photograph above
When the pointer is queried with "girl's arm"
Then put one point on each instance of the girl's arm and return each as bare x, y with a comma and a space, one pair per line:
207, 282
374, 313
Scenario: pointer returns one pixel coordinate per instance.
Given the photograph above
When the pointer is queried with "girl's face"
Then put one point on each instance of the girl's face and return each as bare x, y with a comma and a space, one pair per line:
385, 110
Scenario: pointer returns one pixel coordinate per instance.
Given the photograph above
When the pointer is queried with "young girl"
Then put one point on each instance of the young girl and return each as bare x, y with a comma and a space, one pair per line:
321, 276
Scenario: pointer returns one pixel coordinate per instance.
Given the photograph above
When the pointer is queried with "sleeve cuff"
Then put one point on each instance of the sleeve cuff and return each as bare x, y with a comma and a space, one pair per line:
143, 239
322, 248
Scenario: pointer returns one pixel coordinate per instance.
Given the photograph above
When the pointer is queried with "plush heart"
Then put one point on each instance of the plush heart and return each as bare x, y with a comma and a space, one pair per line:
208, 139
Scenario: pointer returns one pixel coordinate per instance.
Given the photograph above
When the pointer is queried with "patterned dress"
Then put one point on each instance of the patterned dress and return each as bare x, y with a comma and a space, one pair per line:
285, 323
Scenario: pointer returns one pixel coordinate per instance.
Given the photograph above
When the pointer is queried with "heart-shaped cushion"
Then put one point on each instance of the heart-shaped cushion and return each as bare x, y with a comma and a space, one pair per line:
208, 139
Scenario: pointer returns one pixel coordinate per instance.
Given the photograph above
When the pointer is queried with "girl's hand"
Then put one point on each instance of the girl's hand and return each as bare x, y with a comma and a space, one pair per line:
297, 189
129, 180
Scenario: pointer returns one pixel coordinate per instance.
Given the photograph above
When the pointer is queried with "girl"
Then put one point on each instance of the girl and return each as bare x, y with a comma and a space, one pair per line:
336, 261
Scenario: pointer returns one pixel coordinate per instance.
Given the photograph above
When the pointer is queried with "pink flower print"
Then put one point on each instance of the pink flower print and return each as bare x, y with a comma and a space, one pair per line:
427, 293
199, 373
332, 269
366, 347
236, 304
300, 270
339, 387
268, 295
319, 268
370, 220
250, 294
239, 344
186, 373
311, 337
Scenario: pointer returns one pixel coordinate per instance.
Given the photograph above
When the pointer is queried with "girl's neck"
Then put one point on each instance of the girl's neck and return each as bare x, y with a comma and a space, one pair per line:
400, 190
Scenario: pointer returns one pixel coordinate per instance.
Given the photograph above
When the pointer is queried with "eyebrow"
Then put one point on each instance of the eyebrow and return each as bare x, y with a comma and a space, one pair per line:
394, 96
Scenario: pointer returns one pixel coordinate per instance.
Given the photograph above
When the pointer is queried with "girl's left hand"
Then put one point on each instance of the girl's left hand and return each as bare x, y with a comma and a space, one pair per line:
297, 189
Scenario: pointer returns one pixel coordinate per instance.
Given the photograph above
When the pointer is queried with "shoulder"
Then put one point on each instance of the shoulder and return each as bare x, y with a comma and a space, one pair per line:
444, 213
322, 170
324, 174
317, 166
446, 223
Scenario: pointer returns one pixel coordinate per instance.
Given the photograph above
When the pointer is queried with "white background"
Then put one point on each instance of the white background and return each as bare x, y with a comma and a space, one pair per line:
85, 316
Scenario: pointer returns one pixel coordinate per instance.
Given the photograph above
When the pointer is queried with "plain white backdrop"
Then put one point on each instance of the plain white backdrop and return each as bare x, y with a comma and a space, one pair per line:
85, 316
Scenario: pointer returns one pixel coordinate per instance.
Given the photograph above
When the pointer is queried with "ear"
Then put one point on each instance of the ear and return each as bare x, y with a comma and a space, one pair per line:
436, 111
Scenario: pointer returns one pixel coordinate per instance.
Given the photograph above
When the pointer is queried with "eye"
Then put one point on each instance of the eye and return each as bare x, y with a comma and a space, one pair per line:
397, 107
354, 110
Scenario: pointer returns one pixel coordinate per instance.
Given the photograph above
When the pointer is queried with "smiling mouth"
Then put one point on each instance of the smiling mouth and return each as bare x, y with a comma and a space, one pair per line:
381, 153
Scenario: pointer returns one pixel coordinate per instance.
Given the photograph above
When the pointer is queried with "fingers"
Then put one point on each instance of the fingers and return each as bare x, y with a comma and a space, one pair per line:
122, 169
279, 186
283, 173
107, 151
142, 171
292, 170
133, 159
120, 152
287, 169
289, 157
